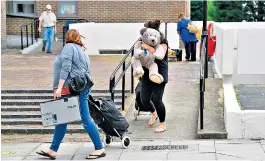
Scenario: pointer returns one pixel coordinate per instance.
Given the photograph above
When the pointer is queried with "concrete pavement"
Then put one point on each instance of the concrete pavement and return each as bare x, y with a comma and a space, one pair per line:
184, 150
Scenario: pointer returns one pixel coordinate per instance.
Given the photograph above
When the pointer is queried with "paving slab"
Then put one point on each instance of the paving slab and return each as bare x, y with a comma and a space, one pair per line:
59, 157
11, 158
113, 149
190, 156
203, 145
65, 148
236, 141
252, 151
18, 150
144, 156
228, 157
108, 157
20, 145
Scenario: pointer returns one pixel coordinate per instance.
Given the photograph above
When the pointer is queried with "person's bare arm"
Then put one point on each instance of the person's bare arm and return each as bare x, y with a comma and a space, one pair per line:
40, 21
58, 92
160, 51
39, 26
149, 48
55, 28
55, 24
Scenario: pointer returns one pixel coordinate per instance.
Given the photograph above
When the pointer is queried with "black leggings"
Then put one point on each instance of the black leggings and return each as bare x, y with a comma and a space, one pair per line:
151, 95
191, 50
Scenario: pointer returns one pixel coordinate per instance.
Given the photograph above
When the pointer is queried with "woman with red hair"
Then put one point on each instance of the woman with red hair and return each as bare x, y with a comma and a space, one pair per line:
71, 62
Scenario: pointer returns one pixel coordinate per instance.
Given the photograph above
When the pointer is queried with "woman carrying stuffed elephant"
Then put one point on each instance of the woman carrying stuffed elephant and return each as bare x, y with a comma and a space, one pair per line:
150, 62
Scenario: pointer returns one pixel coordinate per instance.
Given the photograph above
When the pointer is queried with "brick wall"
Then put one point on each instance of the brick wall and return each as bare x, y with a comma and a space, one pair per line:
109, 12
129, 11
3, 24
14, 23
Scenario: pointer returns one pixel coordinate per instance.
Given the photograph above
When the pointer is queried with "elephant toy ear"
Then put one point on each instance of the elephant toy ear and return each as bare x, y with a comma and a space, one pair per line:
143, 30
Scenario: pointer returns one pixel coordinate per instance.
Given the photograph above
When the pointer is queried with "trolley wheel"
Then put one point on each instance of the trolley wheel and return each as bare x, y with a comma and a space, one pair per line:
125, 142
107, 140
135, 115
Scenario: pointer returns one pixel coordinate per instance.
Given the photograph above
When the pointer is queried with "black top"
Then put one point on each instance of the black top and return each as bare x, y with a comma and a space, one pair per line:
162, 66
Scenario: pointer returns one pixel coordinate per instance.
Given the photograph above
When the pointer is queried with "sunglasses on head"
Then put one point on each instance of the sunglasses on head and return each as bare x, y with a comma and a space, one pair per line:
79, 33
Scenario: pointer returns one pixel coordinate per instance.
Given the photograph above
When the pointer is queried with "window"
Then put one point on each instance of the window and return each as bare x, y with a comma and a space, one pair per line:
21, 8
67, 9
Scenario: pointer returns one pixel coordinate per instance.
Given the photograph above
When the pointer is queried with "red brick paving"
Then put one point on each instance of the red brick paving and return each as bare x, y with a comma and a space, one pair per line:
35, 70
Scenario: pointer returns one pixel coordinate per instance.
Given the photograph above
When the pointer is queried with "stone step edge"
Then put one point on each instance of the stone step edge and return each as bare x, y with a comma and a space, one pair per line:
208, 134
31, 115
204, 134
51, 91
14, 103
27, 108
51, 97
38, 130
25, 122
37, 100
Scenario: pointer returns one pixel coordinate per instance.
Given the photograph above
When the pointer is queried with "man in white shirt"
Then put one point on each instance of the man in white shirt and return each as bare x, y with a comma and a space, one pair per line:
48, 21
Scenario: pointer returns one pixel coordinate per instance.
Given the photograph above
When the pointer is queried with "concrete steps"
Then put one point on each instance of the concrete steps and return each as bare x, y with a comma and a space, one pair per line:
25, 121
8, 96
21, 111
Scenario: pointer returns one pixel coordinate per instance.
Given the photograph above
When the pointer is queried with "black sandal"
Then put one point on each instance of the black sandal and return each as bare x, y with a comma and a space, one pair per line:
96, 156
43, 153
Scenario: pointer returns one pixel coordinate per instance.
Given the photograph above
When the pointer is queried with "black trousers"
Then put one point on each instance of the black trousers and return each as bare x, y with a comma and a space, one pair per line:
191, 50
151, 96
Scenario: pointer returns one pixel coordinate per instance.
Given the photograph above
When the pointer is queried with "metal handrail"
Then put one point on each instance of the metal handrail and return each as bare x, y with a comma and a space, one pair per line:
34, 25
33, 31
203, 74
113, 82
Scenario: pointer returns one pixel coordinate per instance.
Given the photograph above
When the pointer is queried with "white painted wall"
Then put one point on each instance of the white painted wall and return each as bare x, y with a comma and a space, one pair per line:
242, 124
118, 36
239, 59
240, 52
251, 51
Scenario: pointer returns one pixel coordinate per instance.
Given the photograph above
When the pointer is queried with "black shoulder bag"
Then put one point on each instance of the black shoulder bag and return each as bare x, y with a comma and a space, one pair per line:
80, 83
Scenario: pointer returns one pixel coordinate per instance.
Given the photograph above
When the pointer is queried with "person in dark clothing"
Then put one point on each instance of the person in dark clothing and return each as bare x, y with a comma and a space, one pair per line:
151, 93
189, 39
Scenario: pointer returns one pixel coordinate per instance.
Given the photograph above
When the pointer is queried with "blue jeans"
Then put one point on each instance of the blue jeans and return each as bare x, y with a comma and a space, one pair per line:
48, 35
87, 122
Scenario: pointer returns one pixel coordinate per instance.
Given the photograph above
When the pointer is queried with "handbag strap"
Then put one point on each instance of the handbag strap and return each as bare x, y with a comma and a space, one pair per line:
75, 48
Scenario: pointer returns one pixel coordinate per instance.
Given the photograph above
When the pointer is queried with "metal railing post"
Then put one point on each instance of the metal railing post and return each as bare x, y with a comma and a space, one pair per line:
201, 101
37, 27
31, 25
111, 88
21, 34
27, 35
123, 85
206, 36
132, 78
165, 30
206, 56
64, 35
